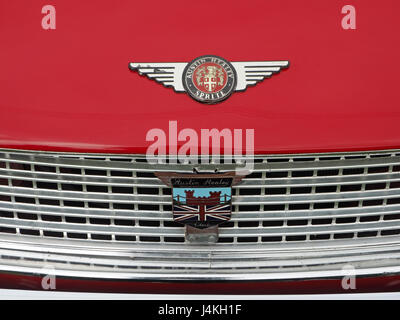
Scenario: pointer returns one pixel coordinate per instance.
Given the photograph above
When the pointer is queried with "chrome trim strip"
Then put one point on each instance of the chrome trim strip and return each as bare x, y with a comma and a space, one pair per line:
206, 277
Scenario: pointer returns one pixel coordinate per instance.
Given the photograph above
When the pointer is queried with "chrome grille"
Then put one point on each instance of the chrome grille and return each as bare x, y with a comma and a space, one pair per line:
290, 203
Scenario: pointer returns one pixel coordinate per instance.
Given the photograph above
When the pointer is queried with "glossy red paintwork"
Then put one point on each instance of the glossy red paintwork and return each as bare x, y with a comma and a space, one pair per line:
70, 89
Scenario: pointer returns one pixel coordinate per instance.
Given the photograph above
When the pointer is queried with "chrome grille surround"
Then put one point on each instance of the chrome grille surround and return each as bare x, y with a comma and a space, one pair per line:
107, 216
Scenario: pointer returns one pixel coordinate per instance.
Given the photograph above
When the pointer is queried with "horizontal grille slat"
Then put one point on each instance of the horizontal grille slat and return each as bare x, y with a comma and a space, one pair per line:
322, 197
166, 215
154, 182
87, 196
147, 231
321, 181
78, 179
161, 199
91, 228
91, 213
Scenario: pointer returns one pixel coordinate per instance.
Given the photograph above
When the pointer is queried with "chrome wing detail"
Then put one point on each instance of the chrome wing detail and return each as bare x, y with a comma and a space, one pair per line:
168, 74
251, 72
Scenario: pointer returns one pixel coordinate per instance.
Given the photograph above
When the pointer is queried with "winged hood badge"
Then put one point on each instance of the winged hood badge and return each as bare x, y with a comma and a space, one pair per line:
209, 79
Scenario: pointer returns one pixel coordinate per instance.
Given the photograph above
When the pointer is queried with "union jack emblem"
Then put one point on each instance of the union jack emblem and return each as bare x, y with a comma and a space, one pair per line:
201, 201
211, 210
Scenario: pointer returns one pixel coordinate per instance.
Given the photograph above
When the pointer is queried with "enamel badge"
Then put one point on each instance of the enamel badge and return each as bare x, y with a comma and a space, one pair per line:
201, 202
209, 79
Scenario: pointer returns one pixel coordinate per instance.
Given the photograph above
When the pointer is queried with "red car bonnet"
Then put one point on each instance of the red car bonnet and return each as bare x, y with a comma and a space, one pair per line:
70, 89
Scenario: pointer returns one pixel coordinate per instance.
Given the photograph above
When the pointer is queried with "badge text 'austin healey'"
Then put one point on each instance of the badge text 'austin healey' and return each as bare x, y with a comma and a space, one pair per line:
209, 79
